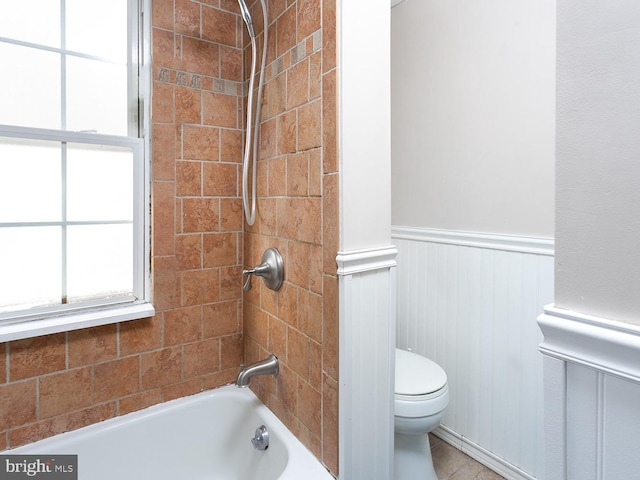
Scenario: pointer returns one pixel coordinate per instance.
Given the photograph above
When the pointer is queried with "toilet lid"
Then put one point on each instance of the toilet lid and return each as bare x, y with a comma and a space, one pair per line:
417, 375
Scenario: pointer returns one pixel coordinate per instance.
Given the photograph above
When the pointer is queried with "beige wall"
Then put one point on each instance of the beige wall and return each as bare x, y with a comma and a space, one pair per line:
473, 115
65, 381
597, 258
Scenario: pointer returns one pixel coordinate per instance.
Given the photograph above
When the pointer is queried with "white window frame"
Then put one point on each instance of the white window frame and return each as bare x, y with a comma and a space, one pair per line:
63, 318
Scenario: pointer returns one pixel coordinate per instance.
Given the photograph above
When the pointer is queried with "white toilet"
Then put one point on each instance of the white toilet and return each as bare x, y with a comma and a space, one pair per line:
421, 397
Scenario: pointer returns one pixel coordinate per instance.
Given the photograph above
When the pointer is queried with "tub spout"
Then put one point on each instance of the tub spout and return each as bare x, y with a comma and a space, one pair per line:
268, 366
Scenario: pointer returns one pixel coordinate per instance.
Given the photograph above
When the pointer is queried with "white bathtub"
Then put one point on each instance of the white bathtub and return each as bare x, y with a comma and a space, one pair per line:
205, 436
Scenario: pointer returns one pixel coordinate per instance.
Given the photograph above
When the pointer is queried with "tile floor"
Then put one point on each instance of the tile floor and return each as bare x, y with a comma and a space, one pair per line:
451, 464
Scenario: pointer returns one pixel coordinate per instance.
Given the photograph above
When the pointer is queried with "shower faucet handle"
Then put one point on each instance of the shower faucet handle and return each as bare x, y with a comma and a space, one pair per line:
271, 270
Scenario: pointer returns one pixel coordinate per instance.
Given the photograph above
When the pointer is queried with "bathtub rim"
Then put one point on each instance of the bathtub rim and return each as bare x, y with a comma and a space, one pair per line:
300, 458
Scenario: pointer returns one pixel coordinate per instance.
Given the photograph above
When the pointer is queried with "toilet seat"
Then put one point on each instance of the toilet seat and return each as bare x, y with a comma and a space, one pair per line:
420, 386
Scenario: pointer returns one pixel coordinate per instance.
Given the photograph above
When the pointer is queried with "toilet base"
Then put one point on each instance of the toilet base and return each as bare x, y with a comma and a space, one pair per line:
412, 458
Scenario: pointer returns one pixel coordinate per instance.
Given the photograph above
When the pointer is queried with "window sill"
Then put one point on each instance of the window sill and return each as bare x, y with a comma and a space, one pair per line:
75, 321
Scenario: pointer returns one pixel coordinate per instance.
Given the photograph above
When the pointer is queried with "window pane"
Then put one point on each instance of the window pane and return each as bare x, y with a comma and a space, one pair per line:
98, 27
35, 21
32, 256
31, 92
96, 96
99, 183
30, 180
100, 261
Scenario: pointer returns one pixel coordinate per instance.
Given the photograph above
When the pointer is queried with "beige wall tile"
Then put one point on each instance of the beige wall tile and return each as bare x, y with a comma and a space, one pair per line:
187, 17
182, 325
200, 57
220, 249
220, 179
141, 335
200, 286
117, 378
286, 30
139, 401
65, 392
221, 319
188, 251
92, 345
200, 143
160, 367
36, 356
220, 110
200, 358
219, 26
21, 397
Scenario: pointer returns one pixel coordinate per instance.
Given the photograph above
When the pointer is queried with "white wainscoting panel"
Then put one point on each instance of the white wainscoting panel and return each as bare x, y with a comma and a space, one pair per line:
592, 394
367, 337
470, 303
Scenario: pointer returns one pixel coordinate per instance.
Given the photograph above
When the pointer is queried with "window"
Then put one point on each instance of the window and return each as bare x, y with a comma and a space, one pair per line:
74, 156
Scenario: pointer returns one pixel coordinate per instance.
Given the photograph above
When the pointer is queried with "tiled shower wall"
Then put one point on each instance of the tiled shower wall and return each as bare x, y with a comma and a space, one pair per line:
298, 214
65, 381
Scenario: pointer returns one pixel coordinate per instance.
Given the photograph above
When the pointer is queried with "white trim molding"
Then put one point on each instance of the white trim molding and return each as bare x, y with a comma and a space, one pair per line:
608, 346
482, 455
358, 261
509, 243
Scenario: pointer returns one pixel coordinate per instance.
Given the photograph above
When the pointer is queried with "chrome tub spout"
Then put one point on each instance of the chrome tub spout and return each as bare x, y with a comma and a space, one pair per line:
268, 366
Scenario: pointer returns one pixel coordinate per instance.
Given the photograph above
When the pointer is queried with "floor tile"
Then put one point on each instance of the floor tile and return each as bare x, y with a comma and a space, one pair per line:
451, 464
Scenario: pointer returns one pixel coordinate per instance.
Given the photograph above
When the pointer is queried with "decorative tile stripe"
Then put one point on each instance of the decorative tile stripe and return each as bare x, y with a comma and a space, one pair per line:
295, 54
199, 82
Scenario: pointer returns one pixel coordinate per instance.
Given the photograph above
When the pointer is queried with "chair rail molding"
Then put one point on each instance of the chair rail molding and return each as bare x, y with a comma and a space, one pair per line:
608, 346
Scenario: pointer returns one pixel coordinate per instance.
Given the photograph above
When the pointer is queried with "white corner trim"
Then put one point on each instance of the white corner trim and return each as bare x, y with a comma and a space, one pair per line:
357, 261
510, 243
606, 345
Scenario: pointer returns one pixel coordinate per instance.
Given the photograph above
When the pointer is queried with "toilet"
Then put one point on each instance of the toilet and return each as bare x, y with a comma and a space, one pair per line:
421, 397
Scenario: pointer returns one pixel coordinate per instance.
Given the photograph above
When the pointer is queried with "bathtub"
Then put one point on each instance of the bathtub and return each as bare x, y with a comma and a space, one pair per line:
205, 436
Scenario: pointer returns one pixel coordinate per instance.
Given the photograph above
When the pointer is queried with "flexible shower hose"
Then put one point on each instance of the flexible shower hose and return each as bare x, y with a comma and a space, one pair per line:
253, 124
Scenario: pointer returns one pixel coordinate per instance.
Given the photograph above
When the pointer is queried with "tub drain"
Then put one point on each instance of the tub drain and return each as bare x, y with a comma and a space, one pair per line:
260, 440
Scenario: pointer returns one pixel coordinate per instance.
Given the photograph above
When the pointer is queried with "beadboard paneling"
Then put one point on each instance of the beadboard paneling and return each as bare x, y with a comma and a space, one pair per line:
367, 336
592, 395
472, 308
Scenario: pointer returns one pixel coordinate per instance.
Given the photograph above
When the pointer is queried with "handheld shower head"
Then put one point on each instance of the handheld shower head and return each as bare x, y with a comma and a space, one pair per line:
246, 16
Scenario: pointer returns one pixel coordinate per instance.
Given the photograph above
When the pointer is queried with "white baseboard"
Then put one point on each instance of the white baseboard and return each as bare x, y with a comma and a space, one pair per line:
475, 451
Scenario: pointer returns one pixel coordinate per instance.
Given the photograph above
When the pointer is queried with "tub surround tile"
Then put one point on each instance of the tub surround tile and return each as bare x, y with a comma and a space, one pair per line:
205, 327
221, 319
21, 396
188, 179
65, 392
160, 368
219, 26
92, 345
141, 336
37, 356
231, 353
139, 401
163, 155
183, 325
3, 363
182, 389
195, 340
117, 378
200, 358
62, 423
